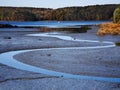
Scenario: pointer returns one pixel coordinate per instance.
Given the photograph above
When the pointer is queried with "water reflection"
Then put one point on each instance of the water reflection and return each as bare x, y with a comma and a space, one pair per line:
75, 29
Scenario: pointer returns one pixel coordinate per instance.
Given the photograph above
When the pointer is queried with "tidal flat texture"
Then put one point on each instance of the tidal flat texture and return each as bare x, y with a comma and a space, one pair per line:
103, 62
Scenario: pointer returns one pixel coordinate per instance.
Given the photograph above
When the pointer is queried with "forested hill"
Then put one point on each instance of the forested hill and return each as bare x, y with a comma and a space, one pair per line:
96, 12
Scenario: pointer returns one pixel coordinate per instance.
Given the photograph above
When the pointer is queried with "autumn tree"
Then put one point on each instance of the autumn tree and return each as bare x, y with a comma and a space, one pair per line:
23, 16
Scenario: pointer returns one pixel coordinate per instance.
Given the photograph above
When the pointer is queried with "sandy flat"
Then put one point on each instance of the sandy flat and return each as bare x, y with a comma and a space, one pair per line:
95, 62
102, 62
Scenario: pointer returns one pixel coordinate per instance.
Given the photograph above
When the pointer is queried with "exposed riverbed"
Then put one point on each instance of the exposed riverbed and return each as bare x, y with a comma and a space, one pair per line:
100, 62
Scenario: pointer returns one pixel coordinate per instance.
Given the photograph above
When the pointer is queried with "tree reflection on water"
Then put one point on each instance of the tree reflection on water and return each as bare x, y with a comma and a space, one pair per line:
82, 29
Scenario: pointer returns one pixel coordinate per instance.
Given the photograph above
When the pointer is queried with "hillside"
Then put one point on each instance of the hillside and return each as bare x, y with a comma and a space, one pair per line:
96, 12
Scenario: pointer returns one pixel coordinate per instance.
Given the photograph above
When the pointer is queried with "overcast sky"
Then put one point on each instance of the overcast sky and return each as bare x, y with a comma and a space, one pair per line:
55, 3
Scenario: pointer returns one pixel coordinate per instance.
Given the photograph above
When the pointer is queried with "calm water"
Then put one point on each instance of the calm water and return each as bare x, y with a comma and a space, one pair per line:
52, 24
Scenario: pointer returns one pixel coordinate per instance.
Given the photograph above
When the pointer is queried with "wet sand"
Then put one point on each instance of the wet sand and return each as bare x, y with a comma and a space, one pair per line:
98, 62
78, 62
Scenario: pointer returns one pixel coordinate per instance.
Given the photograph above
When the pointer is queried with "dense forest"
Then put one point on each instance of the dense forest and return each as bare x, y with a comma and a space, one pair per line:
96, 12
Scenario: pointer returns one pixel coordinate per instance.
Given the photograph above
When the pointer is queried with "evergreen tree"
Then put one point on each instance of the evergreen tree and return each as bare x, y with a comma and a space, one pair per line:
116, 15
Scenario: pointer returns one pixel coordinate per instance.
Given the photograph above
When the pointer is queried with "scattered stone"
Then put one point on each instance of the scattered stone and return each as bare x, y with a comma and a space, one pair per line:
118, 85
48, 54
39, 39
62, 76
7, 37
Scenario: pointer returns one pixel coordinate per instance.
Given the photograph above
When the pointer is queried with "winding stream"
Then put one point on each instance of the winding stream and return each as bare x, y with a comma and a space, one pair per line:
7, 59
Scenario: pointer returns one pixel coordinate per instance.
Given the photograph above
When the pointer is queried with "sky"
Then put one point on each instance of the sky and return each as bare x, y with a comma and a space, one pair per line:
55, 3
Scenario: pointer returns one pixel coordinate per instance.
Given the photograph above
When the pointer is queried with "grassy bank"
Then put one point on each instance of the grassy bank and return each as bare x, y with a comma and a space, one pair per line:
109, 28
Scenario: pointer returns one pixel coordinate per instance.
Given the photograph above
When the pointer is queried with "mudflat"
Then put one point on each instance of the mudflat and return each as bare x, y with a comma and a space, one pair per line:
102, 62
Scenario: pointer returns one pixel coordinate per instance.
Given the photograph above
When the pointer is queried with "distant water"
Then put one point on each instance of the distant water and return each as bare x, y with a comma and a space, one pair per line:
53, 24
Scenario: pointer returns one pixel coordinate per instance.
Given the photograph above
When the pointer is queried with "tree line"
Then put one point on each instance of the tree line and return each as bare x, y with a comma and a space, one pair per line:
96, 12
